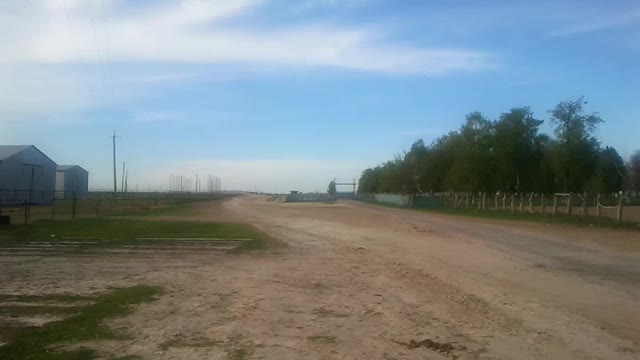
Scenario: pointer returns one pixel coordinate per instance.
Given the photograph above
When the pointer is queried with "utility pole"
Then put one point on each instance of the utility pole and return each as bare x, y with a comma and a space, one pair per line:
122, 183
115, 179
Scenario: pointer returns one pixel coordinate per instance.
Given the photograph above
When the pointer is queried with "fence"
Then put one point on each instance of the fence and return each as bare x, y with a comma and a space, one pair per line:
621, 207
24, 206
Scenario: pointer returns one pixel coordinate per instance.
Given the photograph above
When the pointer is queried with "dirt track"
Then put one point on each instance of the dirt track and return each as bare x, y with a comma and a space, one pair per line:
361, 282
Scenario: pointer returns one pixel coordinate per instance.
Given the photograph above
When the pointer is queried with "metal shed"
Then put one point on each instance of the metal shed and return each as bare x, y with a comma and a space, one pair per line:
71, 180
26, 175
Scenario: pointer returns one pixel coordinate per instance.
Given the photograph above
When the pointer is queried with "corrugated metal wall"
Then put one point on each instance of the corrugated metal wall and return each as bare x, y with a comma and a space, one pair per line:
17, 172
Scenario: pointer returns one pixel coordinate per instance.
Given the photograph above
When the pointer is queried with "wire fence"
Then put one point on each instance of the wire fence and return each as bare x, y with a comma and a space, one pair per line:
620, 207
25, 206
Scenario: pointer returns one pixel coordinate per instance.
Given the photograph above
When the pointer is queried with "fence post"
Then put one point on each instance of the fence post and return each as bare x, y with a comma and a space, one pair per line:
484, 201
73, 206
504, 201
569, 205
619, 217
513, 203
555, 205
26, 212
531, 202
521, 207
598, 209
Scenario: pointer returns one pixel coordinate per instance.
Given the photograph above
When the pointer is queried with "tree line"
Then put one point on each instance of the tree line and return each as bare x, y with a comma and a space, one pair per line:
511, 154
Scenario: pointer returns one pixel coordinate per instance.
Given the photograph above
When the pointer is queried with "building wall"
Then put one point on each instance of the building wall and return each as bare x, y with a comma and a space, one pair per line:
16, 178
76, 181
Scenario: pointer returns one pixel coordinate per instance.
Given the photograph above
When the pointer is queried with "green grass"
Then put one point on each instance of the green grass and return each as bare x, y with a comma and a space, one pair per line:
87, 325
179, 209
125, 229
576, 220
61, 298
21, 310
118, 231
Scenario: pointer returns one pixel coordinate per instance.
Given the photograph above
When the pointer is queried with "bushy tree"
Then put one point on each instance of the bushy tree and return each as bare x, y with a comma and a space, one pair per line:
332, 188
577, 149
633, 168
510, 155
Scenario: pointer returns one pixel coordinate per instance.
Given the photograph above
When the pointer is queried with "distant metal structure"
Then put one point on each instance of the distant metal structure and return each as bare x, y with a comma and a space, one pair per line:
347, 184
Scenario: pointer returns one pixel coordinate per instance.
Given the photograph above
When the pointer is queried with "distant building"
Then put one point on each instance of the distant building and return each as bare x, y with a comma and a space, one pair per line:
26, 175
71, 180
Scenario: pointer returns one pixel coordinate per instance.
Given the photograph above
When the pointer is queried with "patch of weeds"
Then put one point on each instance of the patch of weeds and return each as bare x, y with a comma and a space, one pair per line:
322, 312
129, 357
239, 354
323, 339
37, 343
195, 343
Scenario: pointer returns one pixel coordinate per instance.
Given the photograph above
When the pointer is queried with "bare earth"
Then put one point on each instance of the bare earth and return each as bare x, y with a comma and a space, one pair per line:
361, 282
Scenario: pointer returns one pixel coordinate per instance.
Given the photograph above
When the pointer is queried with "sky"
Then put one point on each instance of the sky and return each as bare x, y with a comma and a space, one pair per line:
279, 95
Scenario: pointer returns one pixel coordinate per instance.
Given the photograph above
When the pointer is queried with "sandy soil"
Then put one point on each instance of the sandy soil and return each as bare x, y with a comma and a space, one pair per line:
364, 282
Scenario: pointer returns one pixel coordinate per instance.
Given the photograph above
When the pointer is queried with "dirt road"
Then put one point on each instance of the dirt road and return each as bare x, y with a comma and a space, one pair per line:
498, 290
364, 282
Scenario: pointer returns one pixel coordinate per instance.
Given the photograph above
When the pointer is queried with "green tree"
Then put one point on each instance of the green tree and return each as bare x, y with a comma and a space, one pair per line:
518, 150
610, 173
472, 169
332, 188
577, 150
633, 168
368, 183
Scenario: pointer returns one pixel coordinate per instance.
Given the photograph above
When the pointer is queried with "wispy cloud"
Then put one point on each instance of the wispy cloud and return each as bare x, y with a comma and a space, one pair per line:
150, 117
310, 5
193, 31
164, 78
602, 22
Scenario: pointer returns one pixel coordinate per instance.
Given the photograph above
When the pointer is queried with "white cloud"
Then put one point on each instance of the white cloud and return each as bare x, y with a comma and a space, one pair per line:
193, 31
45, 91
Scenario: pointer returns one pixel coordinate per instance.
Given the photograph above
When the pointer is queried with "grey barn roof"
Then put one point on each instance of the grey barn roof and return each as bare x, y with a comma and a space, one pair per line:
7, 151
67, 167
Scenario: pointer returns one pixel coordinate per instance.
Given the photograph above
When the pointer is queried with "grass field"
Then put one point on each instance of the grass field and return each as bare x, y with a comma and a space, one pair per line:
71, 320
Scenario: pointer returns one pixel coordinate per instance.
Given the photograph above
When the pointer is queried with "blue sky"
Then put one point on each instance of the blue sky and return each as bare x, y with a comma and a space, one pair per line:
277, 95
